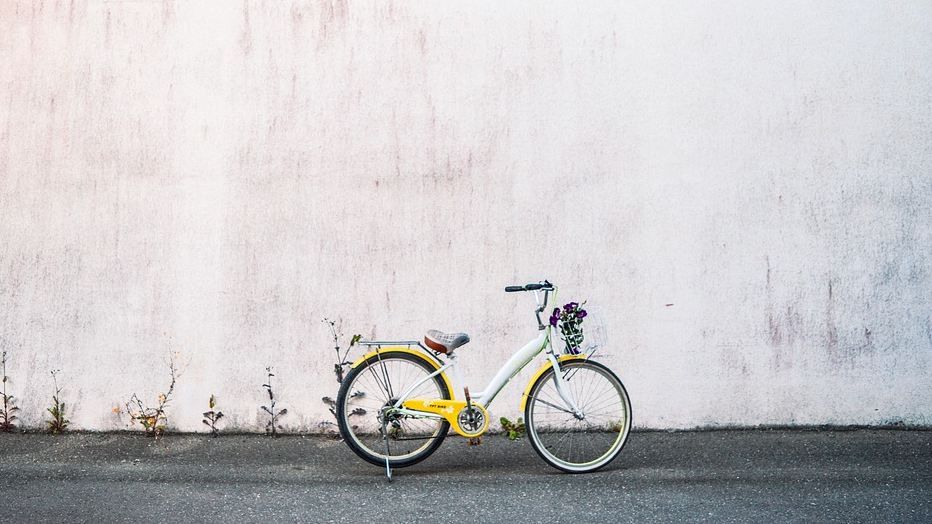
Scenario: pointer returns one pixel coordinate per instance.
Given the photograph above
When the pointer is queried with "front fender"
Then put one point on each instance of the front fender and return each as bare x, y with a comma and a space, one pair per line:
541, 371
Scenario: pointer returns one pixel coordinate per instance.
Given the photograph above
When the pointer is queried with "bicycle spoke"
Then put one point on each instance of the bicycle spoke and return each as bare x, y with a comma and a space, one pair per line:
554, 406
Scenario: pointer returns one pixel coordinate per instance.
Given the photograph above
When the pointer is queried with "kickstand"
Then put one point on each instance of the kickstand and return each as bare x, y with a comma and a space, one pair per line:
388, 467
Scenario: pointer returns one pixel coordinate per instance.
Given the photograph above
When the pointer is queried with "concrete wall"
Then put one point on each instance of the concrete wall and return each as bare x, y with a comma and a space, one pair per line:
745, 188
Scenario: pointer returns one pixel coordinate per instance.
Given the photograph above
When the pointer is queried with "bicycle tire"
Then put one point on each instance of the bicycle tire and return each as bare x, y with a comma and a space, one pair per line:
566, 442
372, 385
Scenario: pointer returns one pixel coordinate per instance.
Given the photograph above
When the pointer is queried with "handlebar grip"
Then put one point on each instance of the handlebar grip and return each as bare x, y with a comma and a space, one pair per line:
530, 287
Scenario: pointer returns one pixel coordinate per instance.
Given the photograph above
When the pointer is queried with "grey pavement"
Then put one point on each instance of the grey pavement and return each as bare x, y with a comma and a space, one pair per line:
714, 476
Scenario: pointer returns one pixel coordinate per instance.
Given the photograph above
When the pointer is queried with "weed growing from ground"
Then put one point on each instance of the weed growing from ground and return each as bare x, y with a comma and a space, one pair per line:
338, 368
512, 430
342, 362
8, 415
211, 417
152, 418
271, 427
58, 423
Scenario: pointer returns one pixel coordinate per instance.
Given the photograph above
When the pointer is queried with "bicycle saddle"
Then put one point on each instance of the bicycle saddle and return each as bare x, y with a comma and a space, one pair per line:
444, 342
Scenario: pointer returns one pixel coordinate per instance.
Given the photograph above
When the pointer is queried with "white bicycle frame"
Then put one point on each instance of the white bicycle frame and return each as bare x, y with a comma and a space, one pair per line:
516, 363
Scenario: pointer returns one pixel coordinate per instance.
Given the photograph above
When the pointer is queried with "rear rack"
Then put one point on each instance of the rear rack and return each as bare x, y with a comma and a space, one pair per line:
407, 343
380, 343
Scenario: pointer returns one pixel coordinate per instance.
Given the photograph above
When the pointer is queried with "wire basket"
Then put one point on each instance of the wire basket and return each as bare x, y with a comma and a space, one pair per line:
595, 335
585, 337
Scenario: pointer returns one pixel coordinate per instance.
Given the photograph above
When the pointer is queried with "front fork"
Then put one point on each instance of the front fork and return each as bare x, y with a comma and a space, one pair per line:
560, 383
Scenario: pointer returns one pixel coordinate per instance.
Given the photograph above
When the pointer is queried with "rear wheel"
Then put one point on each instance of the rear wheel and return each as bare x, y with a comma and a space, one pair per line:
376, 384
585, 441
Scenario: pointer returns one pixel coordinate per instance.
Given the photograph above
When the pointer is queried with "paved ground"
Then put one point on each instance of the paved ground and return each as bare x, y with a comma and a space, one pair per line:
719, 476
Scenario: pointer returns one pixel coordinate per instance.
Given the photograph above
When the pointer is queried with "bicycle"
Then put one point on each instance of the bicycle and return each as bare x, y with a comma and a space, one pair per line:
396, 404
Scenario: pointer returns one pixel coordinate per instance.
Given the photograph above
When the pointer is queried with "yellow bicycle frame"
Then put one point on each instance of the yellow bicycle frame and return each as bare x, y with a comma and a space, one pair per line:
447, 409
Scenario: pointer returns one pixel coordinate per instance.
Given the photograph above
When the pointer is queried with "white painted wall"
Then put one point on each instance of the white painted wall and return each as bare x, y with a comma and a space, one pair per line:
746, 189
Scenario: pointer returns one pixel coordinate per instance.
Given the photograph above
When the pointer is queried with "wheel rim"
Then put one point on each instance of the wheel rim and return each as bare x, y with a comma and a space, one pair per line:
574, 444
377, 386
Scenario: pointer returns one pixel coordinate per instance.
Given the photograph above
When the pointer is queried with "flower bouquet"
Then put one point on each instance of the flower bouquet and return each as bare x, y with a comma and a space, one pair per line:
570, 318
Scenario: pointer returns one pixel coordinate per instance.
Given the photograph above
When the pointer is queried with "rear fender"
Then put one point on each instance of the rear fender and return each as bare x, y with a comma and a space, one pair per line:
430, 362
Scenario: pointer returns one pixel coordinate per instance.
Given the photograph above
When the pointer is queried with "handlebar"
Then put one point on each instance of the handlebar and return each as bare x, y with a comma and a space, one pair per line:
544, 285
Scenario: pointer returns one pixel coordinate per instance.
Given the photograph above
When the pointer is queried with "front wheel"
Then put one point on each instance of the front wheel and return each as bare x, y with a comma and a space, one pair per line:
589, 439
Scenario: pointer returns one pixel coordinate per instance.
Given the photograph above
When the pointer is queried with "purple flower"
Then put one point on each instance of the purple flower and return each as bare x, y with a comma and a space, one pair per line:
555, 317
581, 314
569, 307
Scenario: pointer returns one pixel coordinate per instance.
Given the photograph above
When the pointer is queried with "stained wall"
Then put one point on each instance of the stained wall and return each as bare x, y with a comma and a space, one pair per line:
745, 189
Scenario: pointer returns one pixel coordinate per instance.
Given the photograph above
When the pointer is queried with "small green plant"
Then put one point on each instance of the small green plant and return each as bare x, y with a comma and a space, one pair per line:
58, 423
152, 418
512, 430
211, 417
342, 362
8, 415
271, 427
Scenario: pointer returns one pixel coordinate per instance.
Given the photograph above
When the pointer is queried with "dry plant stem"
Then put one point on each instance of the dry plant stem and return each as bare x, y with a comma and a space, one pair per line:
153, 420
341, 358
271, 427
9, 408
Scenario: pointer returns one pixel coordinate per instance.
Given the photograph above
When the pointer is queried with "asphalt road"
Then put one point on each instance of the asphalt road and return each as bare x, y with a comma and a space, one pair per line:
717, 476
